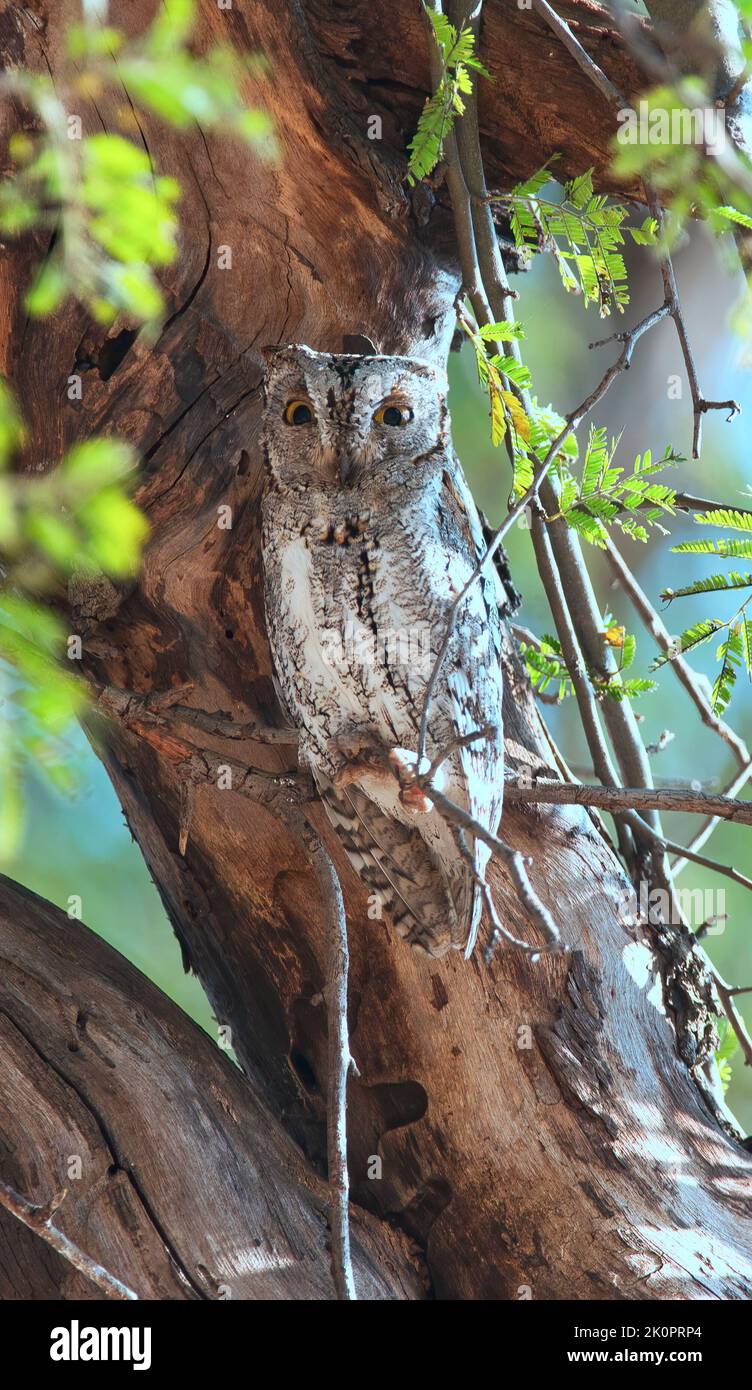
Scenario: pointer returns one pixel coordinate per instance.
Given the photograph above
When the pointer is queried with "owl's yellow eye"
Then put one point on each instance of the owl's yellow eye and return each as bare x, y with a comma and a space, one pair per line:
391, 414
298, 412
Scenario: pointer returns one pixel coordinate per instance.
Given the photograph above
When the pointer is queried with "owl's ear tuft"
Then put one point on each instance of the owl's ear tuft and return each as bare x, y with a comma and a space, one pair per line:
270, 354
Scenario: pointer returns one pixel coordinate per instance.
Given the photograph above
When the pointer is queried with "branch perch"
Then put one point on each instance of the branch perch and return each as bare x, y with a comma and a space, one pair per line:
632, 799
39, 1220
340, 1061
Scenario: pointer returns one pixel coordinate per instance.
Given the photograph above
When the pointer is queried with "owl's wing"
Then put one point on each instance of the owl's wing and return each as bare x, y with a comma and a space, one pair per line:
394, 860
471, 692
415, 863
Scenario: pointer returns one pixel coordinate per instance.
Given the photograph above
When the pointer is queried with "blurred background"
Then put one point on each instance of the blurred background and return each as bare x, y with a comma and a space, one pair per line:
84, 848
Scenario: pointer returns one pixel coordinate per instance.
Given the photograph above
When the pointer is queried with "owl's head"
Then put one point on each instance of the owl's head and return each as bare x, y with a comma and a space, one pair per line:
334, 421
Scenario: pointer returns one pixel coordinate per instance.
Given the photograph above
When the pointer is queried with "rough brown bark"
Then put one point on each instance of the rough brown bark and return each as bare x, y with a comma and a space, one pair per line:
584, 1164
187, 1187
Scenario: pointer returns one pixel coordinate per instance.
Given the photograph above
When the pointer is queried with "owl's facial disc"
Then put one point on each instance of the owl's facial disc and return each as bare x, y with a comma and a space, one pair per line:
337, 421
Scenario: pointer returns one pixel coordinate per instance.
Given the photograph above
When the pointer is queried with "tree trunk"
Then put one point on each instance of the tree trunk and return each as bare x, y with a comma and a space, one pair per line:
177, 1178
537, 1131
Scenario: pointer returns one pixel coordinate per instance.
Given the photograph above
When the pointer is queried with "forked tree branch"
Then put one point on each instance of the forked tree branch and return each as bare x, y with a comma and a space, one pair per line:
39, 1220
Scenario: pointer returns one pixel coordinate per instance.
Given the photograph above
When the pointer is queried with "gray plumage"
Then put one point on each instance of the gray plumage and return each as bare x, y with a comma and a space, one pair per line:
369, 532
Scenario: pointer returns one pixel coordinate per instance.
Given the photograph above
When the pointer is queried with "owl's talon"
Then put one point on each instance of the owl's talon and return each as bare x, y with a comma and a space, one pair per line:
364, 757
415, 799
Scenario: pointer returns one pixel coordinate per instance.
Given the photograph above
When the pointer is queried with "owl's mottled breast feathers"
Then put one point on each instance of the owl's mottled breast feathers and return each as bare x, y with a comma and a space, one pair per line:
369, 532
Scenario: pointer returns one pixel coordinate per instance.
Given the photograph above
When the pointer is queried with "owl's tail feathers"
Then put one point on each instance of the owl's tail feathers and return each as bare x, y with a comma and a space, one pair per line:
395, 862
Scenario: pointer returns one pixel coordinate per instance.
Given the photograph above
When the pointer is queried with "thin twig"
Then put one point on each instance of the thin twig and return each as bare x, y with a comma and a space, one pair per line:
498, 931
726, 996
700, 405
709, 825
39, 1220
563, 32
461, 741
632, 799
573, 420
340, 1062
539, 913
671, 847
687, 502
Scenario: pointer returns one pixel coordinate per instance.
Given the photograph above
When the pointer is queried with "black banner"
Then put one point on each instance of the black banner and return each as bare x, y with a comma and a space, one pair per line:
115, 1339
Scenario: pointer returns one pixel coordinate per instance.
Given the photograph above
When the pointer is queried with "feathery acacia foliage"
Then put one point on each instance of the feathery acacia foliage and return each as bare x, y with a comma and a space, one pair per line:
584, 229
735, 650
458, 62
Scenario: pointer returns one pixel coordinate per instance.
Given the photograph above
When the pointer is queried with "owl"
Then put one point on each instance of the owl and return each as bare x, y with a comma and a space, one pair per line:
369, 533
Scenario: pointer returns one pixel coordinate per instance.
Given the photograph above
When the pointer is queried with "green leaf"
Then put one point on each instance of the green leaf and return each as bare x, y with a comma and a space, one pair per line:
727, 517
730, 657
47, 291
647, 234
172, 26
728, 549
96, 463
11, 426
627, 690
745, 632
733, 215
11, 805
692, 637
727, 1046
713, 583
579, 190
628, 651
424, 149
133, 288
456, 51
116, 531
501, 332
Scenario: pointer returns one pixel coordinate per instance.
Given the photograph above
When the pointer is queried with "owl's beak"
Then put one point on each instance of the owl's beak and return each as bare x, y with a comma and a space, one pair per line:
336, 453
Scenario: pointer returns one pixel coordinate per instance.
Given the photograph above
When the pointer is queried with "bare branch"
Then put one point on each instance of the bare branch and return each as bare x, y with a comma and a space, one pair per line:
340, 1061
699, 405
563, 32
706, 830
39, 1219
538, 912
462, 741
498, 931
632, 799
671, 847
726, 996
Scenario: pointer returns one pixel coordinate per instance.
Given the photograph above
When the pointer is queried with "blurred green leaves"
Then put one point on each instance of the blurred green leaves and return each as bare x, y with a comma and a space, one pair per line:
76, 519
111, 220
112, 215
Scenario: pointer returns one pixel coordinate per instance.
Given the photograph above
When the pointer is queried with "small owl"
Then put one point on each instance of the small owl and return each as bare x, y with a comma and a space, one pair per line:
369, 534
